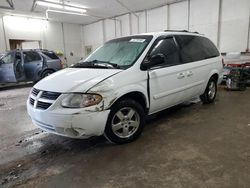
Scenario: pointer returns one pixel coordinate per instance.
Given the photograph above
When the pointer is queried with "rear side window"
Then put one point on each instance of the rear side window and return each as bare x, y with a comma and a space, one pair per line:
31, 56
8, 58
51, 55
195, 48
168, 48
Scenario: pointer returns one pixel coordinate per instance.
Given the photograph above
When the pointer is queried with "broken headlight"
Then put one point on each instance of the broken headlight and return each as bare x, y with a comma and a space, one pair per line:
79, 100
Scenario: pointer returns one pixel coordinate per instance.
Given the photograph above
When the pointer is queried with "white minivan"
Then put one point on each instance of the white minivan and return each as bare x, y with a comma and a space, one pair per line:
115, 87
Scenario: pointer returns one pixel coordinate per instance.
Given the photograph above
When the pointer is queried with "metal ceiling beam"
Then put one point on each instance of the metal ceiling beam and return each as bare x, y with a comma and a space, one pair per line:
128, 9
4, 7
10, 2
11, 5
33, 6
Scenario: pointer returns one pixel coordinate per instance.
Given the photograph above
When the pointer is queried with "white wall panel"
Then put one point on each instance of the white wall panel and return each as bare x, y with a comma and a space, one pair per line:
134, 24
204, 17
125, 25
109, 28
2, 40
178, 16
23, 28
249, 41
118, 26
53, 37
93, 35
157, 19
72, 37
142, 21
234, 25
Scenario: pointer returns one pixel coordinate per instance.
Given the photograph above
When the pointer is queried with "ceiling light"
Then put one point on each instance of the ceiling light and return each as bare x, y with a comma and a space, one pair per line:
58, 5
48, 4
54, 1
64, 12
75, 5
74, 9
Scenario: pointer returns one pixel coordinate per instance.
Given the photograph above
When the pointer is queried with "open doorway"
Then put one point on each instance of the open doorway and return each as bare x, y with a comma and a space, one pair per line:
24, 44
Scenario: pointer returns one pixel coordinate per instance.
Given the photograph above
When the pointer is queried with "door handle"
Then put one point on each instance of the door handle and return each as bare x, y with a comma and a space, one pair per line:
180, 75
189, 73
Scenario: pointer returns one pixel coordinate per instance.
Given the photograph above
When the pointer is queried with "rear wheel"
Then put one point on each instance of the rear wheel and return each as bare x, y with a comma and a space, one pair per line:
210, 93
125, 122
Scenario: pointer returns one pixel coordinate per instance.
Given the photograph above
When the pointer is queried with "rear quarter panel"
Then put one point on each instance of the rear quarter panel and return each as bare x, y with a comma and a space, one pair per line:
215, 67
54, 64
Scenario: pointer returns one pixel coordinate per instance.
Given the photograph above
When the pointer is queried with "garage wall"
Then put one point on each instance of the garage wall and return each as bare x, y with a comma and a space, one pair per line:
65, 38
52, 36
23, 29
178, 16
204, 17
125, 24
194, 15
234, 25
157, 19
2, 40
110, 31
134, 24
73, 42
93, 34
142, 22
249, 38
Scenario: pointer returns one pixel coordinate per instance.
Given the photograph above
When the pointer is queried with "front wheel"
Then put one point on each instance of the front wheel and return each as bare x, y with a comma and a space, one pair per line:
210, 93
125, 122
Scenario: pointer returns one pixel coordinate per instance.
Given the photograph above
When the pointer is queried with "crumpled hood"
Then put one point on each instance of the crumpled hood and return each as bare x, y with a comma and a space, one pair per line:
74, 79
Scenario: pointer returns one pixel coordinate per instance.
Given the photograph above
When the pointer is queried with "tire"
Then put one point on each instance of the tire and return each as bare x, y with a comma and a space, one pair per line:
125, 122
46, 73
210, 93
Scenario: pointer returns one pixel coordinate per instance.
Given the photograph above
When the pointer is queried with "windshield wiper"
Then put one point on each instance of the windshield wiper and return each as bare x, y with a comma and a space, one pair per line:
105, 63
96, 64
87, 64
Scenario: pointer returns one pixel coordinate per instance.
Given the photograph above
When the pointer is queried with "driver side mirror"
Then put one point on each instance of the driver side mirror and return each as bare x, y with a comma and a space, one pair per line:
152, 61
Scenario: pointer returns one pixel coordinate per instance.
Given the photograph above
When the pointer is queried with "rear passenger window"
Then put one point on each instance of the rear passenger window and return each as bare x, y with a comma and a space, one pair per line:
51, 55
31, 56
195, 48
168, 48
9, 58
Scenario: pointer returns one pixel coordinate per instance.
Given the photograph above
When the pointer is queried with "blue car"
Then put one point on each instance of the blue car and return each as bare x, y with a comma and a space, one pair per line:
28, 65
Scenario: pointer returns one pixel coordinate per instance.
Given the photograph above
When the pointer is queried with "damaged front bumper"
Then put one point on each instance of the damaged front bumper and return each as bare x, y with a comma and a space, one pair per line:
74, 123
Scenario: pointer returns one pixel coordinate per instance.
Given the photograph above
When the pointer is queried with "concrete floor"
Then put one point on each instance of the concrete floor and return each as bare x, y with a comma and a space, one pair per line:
187, 146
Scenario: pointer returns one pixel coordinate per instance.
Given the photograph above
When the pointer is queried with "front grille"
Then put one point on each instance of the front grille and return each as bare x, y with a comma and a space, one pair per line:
35, 91
32, 101
50, 95
43, 105
42, 99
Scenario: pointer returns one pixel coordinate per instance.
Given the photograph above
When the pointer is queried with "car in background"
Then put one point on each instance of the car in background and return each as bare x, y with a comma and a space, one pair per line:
28, 65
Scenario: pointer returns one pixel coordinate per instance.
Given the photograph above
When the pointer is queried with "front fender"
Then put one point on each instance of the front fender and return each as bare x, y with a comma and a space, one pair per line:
111, 94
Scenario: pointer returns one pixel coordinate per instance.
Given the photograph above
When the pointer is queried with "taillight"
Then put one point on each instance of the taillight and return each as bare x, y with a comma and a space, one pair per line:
61, 64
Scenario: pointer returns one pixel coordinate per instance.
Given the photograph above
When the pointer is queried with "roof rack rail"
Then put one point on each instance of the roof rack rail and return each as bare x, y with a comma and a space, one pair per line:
181, 31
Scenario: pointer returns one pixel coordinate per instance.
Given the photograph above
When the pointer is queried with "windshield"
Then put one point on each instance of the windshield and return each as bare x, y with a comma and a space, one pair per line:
117, 53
